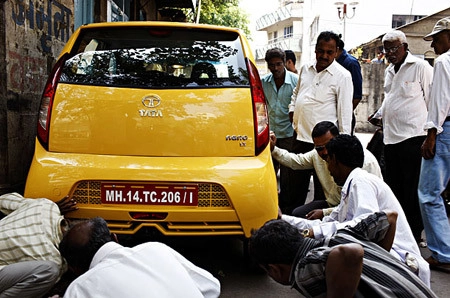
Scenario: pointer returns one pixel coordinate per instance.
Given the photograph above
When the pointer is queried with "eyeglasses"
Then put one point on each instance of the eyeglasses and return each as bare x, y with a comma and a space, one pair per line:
319, 148
392, 50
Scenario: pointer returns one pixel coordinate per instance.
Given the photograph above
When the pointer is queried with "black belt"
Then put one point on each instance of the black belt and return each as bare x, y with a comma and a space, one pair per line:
447, 119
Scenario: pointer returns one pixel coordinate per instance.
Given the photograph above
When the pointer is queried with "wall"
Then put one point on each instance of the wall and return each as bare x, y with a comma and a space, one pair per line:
373, 95
34, 33
3, 118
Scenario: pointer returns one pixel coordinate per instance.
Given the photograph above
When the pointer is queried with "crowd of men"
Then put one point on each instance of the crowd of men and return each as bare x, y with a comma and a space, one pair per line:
360, 235
348, 184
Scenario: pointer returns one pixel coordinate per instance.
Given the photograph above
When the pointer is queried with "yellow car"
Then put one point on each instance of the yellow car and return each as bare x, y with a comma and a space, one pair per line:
157, 125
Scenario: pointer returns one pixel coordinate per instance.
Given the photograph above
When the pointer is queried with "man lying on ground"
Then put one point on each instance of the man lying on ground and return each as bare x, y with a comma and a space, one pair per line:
353, 262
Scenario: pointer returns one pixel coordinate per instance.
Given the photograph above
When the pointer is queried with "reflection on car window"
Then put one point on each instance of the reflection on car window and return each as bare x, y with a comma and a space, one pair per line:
142, 57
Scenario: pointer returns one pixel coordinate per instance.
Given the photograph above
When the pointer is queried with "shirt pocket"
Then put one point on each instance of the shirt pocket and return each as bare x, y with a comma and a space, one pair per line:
410, 89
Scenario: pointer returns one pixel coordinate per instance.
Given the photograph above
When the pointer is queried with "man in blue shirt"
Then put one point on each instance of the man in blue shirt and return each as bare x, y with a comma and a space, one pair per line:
278, 86
352, 65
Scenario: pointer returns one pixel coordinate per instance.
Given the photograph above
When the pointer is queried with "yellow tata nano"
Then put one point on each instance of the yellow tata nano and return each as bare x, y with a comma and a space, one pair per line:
157, 125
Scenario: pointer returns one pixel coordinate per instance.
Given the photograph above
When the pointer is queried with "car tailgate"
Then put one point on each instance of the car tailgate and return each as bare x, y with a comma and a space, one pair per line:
146, 122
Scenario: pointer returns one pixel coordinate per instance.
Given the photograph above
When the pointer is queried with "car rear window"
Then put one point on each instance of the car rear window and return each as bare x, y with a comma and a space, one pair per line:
155, 57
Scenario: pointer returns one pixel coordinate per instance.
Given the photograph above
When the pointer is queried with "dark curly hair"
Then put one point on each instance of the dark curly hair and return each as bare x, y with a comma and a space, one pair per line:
347, 150
323, 127
275, 53
327, 36
290, 55
78, 248
276, 242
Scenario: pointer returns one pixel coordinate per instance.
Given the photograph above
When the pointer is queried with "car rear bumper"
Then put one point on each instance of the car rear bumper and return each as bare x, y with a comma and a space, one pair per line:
236, 194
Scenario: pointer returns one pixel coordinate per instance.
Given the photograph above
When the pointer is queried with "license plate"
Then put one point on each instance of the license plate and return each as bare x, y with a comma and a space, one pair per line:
149, 194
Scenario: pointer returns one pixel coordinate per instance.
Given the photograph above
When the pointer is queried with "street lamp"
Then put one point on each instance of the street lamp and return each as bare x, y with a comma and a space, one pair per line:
342, 12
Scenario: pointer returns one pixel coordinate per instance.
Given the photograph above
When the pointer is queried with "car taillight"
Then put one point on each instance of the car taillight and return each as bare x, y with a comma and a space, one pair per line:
260, 115
47, 101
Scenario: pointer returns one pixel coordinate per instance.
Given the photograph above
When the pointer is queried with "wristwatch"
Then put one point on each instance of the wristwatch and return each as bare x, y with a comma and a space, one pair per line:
305, 233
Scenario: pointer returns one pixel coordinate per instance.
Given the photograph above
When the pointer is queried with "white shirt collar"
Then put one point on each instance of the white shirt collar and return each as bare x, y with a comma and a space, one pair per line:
105, 250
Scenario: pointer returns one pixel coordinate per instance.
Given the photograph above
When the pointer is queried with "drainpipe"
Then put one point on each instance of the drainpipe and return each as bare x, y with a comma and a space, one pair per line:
198, 11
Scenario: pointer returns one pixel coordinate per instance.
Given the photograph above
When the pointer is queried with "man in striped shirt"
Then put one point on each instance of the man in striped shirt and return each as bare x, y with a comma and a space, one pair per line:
354, 262
30, 233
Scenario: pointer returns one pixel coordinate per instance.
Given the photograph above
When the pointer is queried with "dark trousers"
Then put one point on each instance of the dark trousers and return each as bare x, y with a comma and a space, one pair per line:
376, 146
286, 200
403, 161
305, 209
299, 183
353, 123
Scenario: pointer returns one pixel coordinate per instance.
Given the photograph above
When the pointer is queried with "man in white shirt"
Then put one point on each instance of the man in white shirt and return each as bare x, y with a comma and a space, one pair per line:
324, 93
435, 171
106, 269
403, 112
315, 159
362, 194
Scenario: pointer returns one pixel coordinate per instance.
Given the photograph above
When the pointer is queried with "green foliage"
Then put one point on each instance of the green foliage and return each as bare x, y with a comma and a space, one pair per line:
224, 13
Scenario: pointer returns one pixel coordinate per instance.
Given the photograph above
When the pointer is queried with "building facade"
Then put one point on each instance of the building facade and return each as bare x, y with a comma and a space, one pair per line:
414, 31
284, 29
306, 21
32, 35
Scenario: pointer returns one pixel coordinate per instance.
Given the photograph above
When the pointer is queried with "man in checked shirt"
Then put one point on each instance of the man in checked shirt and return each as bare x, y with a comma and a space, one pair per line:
30, 262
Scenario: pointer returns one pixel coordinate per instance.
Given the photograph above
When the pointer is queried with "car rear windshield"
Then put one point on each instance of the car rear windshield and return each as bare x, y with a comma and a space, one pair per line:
150, 57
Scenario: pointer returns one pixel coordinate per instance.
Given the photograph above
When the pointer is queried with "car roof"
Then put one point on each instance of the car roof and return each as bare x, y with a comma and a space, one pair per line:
158, 24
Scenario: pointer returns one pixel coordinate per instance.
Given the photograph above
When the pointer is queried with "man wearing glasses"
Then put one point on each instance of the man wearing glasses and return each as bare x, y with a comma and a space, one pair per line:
315, 159
403, 112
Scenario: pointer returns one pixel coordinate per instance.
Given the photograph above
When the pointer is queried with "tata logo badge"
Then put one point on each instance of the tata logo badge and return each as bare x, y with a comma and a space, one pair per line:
151, 101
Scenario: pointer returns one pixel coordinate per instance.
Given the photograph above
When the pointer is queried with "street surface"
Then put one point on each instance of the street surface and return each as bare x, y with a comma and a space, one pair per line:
224, 258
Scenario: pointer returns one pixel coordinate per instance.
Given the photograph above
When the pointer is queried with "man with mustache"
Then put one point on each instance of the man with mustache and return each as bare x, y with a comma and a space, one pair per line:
324, 93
